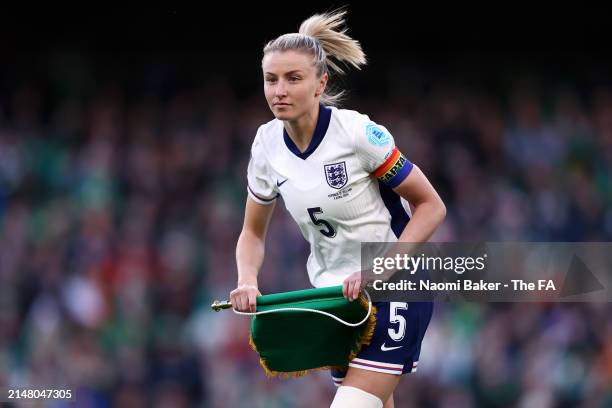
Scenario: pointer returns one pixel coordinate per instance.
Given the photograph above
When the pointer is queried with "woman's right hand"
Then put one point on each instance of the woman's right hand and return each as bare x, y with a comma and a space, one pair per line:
244, 297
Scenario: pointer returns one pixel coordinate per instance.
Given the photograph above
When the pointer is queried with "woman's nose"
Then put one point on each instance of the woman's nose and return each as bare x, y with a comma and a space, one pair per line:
281, 88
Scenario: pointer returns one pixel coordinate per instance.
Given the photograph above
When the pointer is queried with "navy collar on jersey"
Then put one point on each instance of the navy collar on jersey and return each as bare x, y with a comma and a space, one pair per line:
317, 137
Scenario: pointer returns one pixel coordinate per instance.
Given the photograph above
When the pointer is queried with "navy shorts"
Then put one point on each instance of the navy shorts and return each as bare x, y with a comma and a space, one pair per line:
396, 343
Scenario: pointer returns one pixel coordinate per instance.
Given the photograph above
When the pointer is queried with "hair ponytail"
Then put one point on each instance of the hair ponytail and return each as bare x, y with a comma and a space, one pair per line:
324, 37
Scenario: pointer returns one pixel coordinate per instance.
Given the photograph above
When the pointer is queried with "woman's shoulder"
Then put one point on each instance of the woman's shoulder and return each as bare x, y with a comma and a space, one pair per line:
267, 130
353, 120
349, 114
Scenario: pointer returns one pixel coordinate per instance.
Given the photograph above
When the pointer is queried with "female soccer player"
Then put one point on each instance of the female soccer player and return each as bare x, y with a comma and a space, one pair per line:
344, 182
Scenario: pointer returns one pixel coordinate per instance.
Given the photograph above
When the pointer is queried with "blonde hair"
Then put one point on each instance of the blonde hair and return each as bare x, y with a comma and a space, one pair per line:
324, 37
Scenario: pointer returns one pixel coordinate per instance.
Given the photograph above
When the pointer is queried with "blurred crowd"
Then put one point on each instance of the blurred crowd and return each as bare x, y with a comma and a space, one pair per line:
120, 211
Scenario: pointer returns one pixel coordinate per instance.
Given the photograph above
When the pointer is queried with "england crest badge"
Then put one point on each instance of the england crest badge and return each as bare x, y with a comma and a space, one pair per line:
335, 174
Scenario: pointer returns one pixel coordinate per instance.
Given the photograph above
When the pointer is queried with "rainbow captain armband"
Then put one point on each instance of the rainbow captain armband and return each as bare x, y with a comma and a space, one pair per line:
394, 170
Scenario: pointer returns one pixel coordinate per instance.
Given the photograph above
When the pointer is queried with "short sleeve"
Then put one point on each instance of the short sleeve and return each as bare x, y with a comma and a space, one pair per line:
261, 187
380, 156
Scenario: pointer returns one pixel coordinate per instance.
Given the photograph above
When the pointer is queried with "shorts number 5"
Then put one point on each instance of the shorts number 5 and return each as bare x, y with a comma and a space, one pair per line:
395, 317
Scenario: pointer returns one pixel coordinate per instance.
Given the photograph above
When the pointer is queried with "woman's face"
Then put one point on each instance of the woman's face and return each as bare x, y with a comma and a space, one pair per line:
291, 85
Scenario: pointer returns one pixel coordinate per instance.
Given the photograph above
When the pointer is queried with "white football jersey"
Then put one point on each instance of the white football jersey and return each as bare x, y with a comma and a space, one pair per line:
339, 190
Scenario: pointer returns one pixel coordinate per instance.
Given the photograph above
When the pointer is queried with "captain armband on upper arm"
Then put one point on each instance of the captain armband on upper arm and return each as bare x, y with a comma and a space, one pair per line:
380, 156
394, 169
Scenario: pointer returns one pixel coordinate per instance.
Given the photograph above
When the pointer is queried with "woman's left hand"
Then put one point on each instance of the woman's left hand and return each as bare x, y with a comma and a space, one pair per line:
352, 286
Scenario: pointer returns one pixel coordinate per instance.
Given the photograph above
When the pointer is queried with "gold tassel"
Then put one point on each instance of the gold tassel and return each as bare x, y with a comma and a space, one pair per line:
282, 374
368, 332
363, 340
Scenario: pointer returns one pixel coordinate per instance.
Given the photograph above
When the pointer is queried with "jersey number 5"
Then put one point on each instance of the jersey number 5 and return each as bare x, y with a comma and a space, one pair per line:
395, 317
330, 232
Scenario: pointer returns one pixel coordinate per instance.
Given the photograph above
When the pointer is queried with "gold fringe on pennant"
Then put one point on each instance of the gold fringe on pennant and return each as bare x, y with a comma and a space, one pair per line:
363, 340
368, 332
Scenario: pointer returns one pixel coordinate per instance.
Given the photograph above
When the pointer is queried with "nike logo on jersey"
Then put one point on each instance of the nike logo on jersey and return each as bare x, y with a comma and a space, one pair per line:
280, 183
385, 348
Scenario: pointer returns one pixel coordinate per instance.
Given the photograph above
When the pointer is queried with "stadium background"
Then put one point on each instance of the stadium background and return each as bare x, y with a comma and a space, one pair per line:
124, 140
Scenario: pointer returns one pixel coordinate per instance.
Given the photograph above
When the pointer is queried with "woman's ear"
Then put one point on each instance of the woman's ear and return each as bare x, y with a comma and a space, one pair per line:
322, 84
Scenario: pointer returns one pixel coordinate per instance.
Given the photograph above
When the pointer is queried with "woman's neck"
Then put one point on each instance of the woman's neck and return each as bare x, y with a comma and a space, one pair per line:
302, 129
